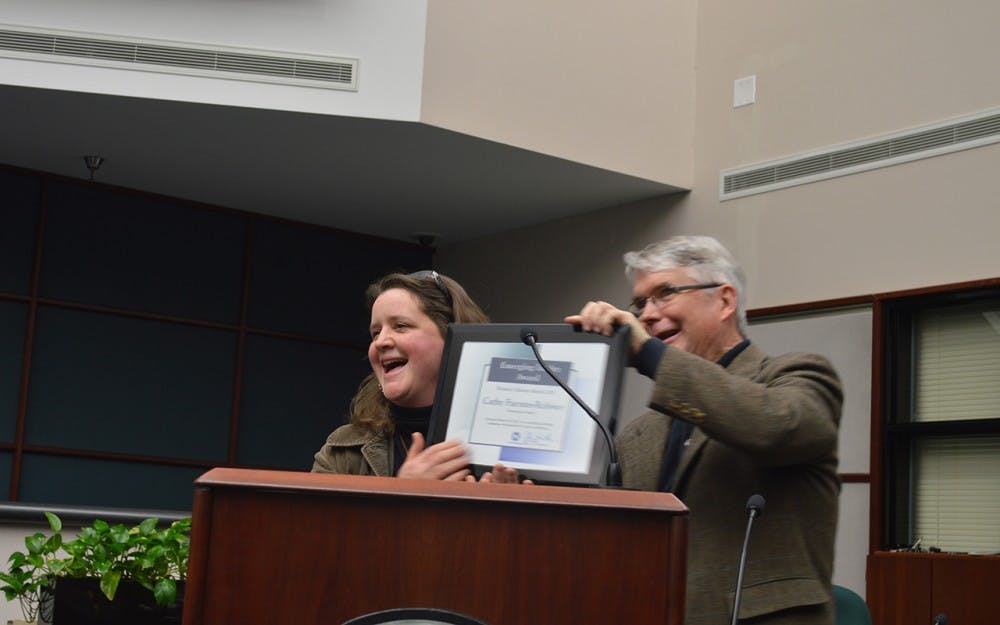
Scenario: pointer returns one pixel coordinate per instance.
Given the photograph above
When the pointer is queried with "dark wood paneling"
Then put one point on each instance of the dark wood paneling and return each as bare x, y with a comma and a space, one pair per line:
906, 588
876, 520
898, 589
965, 588
855, 478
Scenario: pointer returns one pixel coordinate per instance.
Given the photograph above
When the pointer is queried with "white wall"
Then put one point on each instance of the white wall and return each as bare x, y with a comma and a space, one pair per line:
387, 36
845, 337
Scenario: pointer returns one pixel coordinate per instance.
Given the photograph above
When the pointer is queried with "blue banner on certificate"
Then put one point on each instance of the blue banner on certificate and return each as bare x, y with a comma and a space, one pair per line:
519, 405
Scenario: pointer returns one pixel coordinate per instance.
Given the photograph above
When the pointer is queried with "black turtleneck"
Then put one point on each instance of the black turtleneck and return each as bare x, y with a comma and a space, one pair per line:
408, 421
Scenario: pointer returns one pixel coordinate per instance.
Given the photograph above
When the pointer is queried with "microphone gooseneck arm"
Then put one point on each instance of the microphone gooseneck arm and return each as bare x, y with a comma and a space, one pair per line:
614, 471
755, 508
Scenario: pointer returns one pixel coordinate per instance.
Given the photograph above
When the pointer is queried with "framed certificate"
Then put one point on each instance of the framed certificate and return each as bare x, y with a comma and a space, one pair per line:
493, 395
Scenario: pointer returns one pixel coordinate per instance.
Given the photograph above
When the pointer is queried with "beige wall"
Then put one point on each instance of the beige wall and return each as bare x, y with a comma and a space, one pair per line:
827, 73
603, 83
546, 272
830, 73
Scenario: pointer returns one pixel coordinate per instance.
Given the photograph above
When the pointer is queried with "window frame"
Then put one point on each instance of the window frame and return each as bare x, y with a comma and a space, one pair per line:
894, 430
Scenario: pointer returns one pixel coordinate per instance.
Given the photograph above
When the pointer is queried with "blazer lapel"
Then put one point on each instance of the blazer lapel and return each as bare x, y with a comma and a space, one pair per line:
746, 365
692, 448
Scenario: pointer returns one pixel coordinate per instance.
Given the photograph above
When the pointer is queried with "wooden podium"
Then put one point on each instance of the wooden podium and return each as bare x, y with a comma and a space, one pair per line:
311, 549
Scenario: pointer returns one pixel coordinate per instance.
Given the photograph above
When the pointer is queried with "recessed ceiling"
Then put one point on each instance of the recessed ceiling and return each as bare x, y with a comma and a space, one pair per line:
386, 178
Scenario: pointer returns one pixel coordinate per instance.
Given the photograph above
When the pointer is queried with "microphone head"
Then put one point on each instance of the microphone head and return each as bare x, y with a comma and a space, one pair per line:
756, 505
941, 619
528, 336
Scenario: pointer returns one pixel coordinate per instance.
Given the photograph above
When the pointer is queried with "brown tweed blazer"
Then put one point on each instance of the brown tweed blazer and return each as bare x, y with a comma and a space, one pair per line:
763, 425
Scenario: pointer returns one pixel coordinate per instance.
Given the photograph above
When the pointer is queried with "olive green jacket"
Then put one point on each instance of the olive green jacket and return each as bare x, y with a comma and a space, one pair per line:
764, 426
351, 450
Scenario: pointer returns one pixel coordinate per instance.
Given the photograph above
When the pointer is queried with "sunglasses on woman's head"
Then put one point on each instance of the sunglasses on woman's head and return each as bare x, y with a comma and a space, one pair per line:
430, 274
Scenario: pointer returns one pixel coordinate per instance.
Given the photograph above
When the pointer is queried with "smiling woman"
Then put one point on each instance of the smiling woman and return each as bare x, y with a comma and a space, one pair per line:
391, 411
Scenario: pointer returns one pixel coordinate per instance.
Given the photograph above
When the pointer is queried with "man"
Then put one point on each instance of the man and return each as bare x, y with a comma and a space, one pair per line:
729, 421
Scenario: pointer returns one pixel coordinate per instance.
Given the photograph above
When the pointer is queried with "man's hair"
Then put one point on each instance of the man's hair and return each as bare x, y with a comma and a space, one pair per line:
706, 259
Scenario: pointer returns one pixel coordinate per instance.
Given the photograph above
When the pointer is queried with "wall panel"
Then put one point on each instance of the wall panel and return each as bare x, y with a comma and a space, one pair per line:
139, 253
287, 381
18, 219
167, 337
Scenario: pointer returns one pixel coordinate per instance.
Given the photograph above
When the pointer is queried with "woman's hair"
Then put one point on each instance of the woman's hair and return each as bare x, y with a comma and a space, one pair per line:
440, 298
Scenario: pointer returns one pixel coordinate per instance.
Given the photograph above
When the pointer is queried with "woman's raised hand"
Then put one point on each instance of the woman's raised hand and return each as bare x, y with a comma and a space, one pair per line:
444, 461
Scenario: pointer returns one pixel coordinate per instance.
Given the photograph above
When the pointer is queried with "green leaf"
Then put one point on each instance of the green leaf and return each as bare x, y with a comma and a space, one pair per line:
53, 543
109, 583
100, 526
88, 536
165, 591
35, 542
120, 534
148, 526
54, 522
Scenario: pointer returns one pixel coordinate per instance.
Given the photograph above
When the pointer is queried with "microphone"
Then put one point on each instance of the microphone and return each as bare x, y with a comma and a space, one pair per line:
940, 619
755, 508
614, 476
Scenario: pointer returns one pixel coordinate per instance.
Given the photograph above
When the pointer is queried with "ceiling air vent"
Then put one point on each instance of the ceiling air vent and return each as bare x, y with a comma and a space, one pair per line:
178, 58
899, 147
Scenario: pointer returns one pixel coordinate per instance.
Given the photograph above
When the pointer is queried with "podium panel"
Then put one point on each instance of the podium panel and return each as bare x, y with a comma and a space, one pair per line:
299, 548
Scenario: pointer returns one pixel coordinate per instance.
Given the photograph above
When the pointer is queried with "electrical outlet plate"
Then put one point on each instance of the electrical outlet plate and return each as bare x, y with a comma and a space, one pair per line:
744, 91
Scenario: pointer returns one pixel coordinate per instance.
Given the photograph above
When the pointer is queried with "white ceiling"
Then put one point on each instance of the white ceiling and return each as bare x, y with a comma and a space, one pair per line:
386, 178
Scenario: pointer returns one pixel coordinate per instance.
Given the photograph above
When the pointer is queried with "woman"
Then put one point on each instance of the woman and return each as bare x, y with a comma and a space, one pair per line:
390, 413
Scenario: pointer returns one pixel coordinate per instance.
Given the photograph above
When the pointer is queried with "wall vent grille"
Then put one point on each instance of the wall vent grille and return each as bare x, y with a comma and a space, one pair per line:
951, 136
178, 58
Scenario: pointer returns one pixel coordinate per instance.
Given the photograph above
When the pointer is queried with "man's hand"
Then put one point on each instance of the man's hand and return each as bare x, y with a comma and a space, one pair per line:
444, 461
603, 318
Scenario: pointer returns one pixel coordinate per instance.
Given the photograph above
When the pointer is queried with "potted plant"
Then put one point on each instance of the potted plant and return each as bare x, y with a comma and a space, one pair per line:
103, 562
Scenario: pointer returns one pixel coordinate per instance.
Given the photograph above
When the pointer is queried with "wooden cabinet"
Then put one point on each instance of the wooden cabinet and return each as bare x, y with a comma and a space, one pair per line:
912, 588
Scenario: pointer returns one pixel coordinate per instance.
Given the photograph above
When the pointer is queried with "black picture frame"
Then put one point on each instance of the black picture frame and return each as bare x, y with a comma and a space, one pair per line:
494, 397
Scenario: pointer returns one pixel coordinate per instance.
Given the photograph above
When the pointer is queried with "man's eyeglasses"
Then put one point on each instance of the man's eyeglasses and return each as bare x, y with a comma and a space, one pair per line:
664, 292
430, 274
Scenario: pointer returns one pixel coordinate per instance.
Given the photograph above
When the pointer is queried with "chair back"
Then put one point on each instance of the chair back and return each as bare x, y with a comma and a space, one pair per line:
849, 607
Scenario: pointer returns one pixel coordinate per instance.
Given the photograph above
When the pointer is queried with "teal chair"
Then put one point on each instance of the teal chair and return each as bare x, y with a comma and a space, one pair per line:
849, 607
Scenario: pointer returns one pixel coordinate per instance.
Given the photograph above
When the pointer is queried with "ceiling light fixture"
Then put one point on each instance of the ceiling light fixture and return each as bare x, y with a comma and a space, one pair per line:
427, 239
93, 163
